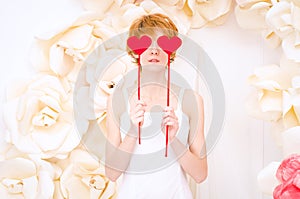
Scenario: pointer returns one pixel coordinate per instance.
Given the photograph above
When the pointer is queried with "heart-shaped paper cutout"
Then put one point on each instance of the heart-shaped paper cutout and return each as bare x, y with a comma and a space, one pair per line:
139, 45
169, 45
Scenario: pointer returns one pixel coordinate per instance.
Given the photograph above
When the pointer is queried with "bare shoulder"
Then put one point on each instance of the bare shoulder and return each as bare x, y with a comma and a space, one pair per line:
192, 102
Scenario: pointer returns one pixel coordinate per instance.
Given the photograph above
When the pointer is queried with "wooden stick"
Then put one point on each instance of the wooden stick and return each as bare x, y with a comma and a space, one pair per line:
139, 95
168, 103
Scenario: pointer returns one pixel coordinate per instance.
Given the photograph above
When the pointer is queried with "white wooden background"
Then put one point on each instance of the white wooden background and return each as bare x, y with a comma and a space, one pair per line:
246, 145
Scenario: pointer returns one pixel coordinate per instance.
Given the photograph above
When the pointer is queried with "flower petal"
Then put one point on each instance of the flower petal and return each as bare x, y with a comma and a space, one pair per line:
267, 178
214, 9
78, 37
279, 18
84, 159
291, 141
18, 168
254, 108
30, 187
253, 17
60, 62
51, 138
272, 39
98, 6
291, 50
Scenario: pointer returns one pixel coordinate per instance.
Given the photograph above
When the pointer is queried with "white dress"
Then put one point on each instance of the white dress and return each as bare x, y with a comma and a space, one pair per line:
151, 175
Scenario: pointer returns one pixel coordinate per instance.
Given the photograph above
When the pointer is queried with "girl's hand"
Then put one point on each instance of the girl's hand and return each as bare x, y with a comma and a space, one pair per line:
170, 119
137, 112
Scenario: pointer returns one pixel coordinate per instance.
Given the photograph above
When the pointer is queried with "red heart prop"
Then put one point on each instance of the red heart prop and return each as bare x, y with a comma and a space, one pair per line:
169, 45
139, 45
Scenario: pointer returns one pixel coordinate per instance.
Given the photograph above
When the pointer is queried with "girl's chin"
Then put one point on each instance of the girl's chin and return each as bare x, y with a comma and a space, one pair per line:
153, 67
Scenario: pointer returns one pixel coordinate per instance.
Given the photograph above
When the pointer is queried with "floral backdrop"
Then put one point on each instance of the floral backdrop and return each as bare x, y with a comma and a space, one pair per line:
43, 155
277, 96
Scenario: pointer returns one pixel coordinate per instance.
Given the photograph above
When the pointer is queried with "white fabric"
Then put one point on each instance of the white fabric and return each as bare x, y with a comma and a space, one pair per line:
166, 182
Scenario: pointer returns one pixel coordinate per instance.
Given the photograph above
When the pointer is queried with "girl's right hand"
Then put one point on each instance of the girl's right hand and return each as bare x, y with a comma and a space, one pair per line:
137, 112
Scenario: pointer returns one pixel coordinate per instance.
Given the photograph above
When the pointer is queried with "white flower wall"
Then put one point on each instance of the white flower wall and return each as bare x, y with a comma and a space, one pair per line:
45, 151
277, 98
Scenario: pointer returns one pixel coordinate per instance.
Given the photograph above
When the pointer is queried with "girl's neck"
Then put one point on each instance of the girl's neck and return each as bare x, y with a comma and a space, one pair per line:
153, 77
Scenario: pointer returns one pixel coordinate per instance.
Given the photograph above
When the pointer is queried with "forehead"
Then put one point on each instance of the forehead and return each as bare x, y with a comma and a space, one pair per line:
153, 32
155, 35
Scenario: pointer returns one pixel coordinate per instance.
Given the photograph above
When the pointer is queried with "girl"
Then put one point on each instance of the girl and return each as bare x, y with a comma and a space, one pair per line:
184, 117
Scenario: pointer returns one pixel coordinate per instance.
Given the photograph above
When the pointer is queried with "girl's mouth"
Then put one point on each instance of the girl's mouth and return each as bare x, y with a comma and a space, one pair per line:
153, 60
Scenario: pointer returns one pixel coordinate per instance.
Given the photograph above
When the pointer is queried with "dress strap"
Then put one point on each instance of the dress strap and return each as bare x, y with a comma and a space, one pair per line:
180, 96
125, 94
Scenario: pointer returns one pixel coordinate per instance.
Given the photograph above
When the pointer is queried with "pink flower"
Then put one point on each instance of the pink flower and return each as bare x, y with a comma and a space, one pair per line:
289, 174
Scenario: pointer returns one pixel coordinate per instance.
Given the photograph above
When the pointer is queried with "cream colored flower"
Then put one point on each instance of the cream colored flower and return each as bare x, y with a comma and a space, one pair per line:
96, 5
84, 177
91, 96
268, 99
24, 178
122, 13
123, 16
63, 51
291, 104
39, 118
271, 81
251, 14
99, 82
284, 20
291, 141
169, 8
278, 21
202, 12
266, 178
276, 98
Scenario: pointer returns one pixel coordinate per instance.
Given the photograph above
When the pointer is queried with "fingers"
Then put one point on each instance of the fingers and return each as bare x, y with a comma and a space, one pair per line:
169, 113
137, 112
170, 122
169, 117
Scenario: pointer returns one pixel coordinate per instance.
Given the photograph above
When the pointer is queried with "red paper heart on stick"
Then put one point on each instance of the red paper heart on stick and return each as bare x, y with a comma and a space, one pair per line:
169, 45
139, 45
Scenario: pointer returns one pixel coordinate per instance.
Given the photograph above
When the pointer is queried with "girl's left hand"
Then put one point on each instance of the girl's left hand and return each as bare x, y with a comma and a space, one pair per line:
170, 119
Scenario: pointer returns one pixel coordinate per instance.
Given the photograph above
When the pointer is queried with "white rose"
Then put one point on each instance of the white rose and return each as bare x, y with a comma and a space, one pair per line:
266, 178
185, 13
39, 118
203, 12
122, 13
63, 51
278, 21
169, 8
251, 14
284, 19
291, 104
84, 177
276, 97
96, 5
26, 179
290, 141
92, 92
270, 82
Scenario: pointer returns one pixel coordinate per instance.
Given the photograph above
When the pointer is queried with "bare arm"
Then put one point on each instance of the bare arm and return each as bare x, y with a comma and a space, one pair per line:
193, 161
118, 153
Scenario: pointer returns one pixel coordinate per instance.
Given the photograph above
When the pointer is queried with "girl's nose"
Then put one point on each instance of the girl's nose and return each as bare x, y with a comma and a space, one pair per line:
154, 51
